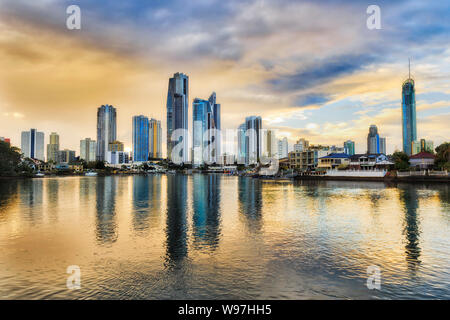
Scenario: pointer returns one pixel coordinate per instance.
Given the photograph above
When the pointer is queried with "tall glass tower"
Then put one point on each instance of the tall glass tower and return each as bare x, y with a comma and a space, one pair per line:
206, 116
253, 152
106, 130
177, 113
409, 127
140, 138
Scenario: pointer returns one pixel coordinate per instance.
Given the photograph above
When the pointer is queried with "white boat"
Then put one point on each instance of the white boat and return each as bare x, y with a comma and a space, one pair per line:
39, 174
90, 174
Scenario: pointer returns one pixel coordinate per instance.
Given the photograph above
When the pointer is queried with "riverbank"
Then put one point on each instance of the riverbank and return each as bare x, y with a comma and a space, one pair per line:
380, 179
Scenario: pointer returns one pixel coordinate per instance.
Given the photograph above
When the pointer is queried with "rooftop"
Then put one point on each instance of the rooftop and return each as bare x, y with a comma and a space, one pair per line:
423, 155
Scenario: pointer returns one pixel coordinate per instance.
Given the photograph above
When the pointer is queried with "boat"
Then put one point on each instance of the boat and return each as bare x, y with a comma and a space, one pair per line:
91, 174
39, 174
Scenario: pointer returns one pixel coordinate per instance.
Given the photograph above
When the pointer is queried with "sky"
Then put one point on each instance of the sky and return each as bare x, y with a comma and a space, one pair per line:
311, 69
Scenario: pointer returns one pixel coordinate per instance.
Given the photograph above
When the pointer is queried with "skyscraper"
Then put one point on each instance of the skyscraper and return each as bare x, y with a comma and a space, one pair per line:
383, 145
241, 148
205, 114
88, 150
32, 144
140, 138
53, 148
106, 130
409, 129
177, 114
373, 140
253, 126
66, 156
270, 147
349, 147
155, 139
283, 148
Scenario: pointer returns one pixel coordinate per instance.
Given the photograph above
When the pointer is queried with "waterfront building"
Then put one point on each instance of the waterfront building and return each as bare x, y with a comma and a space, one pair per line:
32, 144
369, 161
177, 113
409, 126
140, 138
422, 160
333, 160
117, 157
301, 145
66, 156
116, 146
253, 151
241, 148
307, 160
204, 119
88, 150
154, 139
349, 147
106, 130
283, 147
217, 118
53, 148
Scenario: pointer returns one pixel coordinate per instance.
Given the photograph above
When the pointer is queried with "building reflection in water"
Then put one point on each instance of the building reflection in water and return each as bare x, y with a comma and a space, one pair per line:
106, 226
146, 201
206, 205
8, 195
250, 202
31, 198
410, 201
176, 226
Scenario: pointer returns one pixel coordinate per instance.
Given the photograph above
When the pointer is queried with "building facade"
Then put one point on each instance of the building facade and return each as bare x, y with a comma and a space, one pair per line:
53, 148
301, 145
349, 147
375, 144
253, 150
88, 150
283, 148
106, 130
66, 156
32, 144
154, 139
177, 114
140, 138
241, 148
333, 161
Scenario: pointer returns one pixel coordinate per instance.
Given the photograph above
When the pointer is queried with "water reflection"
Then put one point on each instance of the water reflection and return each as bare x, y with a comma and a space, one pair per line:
146, 202
176, 223
206, 206
106, 226
31, 198
410, 202
8, 194
251, 202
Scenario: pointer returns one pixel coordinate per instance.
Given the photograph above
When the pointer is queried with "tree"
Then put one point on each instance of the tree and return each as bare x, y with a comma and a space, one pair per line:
401, 160
443, 156
9, 159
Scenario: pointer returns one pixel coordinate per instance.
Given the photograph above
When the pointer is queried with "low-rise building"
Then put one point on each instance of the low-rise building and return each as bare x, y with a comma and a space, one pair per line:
369, 161
422, 160
333, 160
306, 160
117, 157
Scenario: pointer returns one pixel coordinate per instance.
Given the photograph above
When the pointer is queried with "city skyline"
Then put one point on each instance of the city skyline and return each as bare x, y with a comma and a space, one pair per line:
328, 92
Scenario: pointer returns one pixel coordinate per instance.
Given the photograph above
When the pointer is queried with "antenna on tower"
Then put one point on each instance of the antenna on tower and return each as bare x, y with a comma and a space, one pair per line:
409, 68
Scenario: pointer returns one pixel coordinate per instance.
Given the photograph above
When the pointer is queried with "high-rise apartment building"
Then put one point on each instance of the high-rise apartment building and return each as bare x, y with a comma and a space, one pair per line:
106, 130
66, 156
177, 115
155, 139
53, 148
409, 126
88, 150
253, 151
32, 144
349, 147
375, 144
140, 138
205, 114
241, 148
283, 148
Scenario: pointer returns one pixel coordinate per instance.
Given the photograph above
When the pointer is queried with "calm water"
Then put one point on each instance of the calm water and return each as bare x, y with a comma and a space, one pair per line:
211, 236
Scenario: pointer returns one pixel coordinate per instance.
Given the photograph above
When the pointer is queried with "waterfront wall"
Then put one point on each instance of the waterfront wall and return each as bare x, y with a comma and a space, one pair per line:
357, 173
